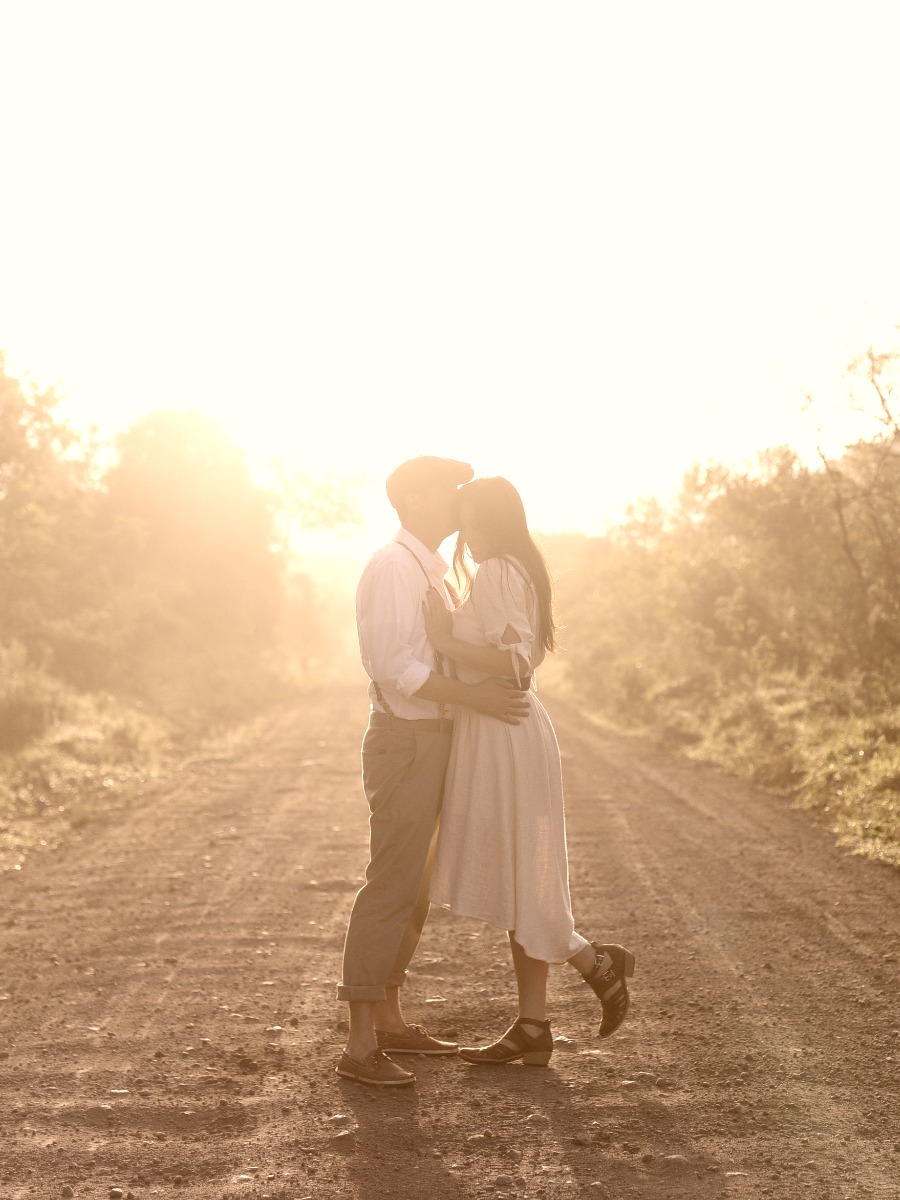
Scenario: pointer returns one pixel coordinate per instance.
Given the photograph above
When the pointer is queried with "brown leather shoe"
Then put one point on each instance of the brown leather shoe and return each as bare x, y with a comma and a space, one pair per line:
375, 1069
415, 1039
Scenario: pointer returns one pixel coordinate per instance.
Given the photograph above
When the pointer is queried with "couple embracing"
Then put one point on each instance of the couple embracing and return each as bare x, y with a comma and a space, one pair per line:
461, 770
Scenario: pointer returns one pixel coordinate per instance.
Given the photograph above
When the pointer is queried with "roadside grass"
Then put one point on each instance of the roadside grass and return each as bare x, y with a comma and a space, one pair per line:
70, 759
92, 756
843, 765
826, 747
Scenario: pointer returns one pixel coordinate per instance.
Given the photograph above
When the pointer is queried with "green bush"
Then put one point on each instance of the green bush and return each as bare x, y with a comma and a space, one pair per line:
91, 755
31, 700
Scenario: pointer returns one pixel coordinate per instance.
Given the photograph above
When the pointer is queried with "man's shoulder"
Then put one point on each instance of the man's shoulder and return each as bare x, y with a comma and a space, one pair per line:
386, 559
391, 552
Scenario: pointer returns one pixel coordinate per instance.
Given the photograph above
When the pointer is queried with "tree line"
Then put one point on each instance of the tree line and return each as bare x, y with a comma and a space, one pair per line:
148, 591
157, 570
756, 622
148, 595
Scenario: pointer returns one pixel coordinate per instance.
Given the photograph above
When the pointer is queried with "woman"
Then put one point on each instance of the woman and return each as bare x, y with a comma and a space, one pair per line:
501, 853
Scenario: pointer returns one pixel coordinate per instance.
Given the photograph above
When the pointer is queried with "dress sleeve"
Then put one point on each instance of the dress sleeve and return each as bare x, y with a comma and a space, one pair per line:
500, 599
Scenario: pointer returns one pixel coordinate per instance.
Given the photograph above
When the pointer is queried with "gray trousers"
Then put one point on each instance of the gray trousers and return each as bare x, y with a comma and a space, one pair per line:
403, 769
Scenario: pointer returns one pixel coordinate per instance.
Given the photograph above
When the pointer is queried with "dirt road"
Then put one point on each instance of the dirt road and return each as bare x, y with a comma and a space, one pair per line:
169, 1024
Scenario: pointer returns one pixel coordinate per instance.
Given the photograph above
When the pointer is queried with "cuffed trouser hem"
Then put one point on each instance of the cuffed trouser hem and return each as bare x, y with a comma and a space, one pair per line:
371, 993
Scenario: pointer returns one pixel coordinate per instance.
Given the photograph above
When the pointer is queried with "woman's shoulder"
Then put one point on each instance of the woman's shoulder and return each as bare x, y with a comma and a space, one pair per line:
501, 569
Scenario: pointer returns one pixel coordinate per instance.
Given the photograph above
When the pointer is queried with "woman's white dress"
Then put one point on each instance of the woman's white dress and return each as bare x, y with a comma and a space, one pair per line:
501, 853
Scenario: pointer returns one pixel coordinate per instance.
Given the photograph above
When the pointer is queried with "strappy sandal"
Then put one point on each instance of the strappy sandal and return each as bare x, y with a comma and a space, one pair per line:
533, 1049
613, 965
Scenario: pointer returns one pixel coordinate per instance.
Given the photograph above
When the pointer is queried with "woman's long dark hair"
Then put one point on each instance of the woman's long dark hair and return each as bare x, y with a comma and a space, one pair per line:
501, 514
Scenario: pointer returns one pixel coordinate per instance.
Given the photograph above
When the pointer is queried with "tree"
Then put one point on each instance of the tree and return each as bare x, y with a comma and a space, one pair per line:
198, 581
46, 493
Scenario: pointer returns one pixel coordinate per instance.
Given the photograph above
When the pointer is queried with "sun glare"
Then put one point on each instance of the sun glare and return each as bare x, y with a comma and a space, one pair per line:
587, 277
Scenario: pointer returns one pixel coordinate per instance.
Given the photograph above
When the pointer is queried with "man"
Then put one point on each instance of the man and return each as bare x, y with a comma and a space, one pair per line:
404, 758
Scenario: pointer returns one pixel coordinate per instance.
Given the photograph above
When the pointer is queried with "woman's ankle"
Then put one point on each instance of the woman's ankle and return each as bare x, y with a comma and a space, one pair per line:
584, 961
535, 1024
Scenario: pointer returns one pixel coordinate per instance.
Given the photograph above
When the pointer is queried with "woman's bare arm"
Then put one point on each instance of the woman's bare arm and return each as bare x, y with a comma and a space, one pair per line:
491, 660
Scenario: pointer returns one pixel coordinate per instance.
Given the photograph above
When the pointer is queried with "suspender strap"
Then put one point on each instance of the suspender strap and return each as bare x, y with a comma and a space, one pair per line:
438, 658
418, 560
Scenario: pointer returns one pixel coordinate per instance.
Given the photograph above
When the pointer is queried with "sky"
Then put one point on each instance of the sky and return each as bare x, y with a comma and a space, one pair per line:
582, 245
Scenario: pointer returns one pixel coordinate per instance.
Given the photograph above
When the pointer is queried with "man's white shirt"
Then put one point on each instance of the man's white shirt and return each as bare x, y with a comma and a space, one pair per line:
393, 643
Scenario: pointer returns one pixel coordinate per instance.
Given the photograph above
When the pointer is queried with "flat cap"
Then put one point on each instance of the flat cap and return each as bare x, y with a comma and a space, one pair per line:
417, 474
